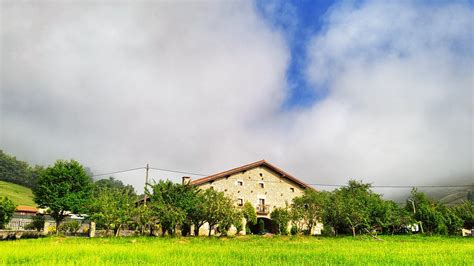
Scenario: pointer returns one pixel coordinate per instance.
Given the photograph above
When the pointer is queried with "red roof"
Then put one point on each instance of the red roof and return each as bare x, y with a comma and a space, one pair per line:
247, 167
23, 208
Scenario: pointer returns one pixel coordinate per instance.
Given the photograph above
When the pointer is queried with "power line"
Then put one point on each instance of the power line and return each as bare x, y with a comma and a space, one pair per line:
313, 184
177, 171
396, 186
121, 171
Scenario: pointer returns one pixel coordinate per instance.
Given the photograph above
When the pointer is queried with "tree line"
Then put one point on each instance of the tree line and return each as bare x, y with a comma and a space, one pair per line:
18, 172
167, 206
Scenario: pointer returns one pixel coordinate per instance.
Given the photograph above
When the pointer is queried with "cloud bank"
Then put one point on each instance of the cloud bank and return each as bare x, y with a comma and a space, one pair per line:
200, 87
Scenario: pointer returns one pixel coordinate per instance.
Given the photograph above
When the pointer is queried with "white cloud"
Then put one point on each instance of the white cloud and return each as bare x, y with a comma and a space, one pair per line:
199, 87
400, 80
119, 85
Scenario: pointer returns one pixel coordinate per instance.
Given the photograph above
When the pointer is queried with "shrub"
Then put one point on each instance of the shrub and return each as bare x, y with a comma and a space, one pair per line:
281, 217
294, 230
261, 226
327, 230
37, 223
70, 227
247, 230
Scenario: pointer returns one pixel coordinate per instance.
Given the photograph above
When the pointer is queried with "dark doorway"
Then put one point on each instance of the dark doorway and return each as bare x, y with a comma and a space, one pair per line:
263, 226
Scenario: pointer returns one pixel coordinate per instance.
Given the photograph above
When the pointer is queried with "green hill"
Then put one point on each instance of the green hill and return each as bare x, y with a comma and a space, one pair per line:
20, 195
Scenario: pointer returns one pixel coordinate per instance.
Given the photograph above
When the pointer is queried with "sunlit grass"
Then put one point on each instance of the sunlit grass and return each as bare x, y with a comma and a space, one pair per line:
252, 250
20, 195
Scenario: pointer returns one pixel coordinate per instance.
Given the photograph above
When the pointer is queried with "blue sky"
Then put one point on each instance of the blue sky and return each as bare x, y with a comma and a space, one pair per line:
298, 21
301, 20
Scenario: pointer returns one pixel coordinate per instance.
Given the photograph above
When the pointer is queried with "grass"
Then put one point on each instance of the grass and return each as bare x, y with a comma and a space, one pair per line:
245, 250
20, 195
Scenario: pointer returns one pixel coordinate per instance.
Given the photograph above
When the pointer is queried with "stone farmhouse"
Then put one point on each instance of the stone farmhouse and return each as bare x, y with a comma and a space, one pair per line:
262, 184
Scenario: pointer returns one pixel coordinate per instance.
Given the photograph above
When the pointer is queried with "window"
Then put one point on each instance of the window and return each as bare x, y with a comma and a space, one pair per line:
240, 183
261, 202
261, 184
240, 202
292, 189
261, 174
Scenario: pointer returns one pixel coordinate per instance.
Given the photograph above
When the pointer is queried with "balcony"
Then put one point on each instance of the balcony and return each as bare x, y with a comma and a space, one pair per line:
263, 209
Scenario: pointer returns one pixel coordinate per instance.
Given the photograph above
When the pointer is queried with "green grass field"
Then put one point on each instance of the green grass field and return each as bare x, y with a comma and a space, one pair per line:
20, 195
251, 250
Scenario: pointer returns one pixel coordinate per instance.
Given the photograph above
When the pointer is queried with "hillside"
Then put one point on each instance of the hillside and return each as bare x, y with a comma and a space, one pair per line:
20, 195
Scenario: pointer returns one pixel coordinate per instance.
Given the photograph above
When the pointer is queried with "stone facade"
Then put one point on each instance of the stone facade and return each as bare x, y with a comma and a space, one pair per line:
261, 186
265, 186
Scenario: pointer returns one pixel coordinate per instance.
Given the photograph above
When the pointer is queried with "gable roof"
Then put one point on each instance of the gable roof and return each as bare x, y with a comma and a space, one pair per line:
24, 208
247, 167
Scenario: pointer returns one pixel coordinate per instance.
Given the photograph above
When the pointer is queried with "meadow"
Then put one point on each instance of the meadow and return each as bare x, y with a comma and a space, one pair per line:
244, 250
20, 195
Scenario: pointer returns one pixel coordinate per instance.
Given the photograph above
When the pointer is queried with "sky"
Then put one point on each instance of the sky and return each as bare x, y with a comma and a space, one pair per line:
379, 91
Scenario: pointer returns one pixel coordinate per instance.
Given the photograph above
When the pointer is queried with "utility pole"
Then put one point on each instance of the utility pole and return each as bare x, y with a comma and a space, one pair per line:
146, 183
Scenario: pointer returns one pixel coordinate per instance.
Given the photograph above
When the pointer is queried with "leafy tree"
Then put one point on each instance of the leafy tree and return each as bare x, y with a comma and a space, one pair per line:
7, 209
234, 217
143, 219
171, 203
249, 213
355, 207
63, 187
308, 208
18, 172
465, 211
333, 212
217, 207
395, 218
281, 216
197, 214
113, 208
452, 222
356, 199
114, 183
433, 216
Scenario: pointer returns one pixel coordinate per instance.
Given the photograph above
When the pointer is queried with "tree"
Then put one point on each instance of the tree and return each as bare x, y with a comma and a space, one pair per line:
18, 172
112, 208
394, 218
452, 222
465, 211
432, 216
217, 207
308, 209
171, 203
143, 219
7, 209
63, 187
114, 183
250, 215
196, 214
281, 216
234, 217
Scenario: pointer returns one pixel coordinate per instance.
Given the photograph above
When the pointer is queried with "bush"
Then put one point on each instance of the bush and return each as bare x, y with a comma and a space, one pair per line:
37, 223
247, 230
70, 227
294, 230
261, 226
327, 231
281, 217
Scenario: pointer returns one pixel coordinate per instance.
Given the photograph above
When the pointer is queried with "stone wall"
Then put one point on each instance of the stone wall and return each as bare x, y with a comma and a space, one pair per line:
277, 191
